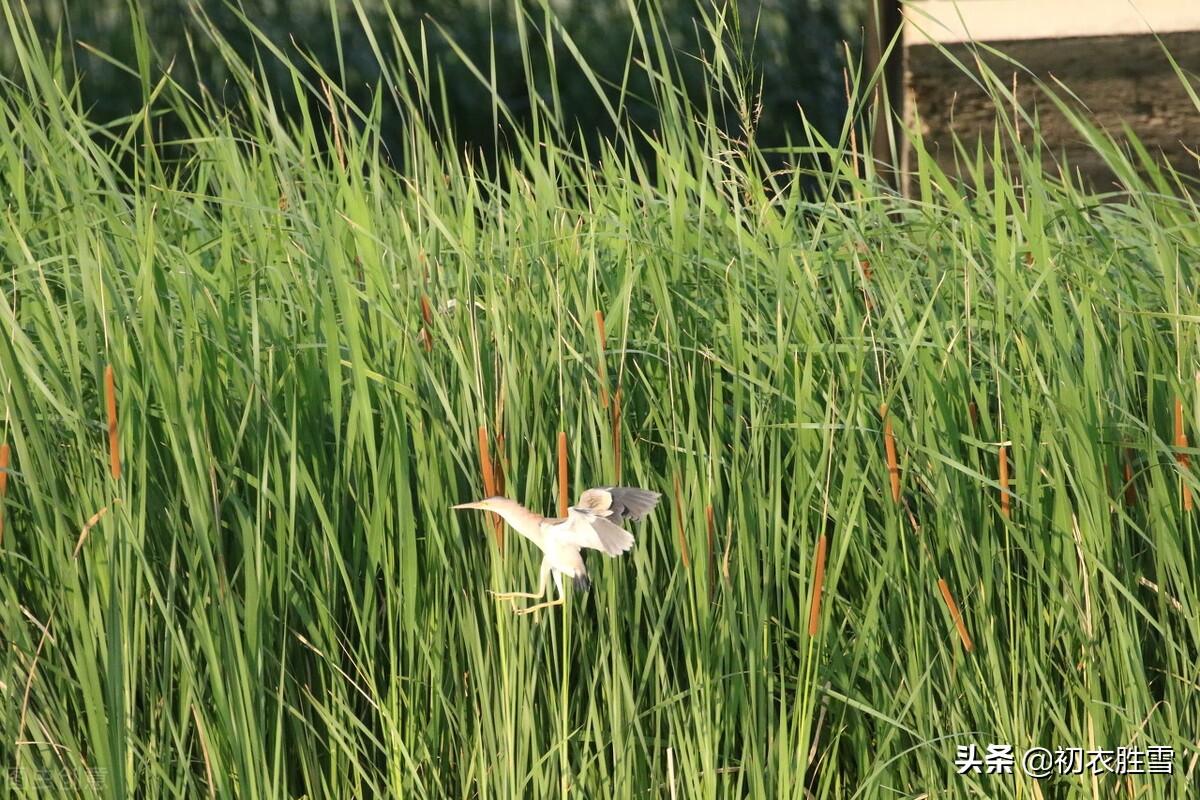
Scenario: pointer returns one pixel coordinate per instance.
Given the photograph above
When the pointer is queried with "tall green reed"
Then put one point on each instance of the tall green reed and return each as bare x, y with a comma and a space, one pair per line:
307, 335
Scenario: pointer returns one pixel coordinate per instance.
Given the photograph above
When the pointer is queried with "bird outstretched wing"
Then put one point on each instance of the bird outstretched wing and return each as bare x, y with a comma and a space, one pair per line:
592, 521
618, 503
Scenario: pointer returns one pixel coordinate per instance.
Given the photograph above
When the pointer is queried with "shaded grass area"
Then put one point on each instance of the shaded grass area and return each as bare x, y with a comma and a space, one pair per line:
277, 600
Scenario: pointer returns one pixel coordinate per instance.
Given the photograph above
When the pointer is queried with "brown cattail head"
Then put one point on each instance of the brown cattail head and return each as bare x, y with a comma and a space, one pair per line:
814, 608
563, 502
489, 484
1181, 442
958, 620
427, 317
110, 399
683, 550
1005, 508
865, 266
889, 446
973, 414
498, 464
3, 485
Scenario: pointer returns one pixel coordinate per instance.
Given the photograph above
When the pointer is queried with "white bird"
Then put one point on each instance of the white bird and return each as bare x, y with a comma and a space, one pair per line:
593, 522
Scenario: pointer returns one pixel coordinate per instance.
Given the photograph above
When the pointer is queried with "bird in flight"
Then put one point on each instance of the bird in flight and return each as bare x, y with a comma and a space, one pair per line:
593, 522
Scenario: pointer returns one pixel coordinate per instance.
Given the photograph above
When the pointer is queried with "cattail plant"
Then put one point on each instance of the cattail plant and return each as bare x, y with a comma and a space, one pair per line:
3, 485
489, 484
1130, 490
814, 608
889, 446
1181, 443
954, 613
110, 398
427, 318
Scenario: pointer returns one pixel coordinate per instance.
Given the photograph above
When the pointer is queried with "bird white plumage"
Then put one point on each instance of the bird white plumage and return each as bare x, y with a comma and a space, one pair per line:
592, 523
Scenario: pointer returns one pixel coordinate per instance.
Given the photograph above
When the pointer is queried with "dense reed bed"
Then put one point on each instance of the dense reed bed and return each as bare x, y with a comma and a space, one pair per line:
304, 349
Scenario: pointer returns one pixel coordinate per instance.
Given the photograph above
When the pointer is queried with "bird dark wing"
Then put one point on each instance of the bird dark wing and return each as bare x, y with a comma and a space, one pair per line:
618, 503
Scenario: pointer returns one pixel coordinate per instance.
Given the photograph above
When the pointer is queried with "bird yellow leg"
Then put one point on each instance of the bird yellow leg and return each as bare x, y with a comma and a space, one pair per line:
513, 595
528, 609
541, 592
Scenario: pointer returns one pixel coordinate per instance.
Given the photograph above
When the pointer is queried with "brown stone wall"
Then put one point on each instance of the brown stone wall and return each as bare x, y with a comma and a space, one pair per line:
1118, 78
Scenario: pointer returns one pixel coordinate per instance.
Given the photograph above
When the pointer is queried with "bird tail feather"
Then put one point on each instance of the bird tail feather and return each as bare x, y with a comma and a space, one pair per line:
582, 582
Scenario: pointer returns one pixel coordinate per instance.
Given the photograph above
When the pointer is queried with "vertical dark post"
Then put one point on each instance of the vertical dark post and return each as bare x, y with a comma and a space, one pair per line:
883, 24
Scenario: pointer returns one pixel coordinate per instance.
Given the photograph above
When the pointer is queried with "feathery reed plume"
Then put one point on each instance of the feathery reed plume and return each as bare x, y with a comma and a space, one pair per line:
337, 127
683, 550
616, 433
602, 367
87, 528
3, 485
110, 399
958, 620
427, 316
889, 446
1181, 442
1005, 509
1130, 491
1152, 586
814, 608
489, 484
562, 474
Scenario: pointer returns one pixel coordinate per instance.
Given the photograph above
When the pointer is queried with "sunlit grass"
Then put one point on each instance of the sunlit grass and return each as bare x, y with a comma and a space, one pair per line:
306, 342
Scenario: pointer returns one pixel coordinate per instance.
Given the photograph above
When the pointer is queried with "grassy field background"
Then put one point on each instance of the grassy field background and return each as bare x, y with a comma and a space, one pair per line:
271, 598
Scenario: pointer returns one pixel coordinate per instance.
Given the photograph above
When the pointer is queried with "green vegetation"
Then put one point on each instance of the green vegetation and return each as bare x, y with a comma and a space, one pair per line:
278, 602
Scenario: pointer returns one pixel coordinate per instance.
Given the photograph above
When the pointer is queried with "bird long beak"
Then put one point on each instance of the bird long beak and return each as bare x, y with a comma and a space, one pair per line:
476, 504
